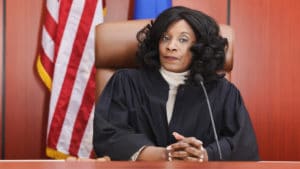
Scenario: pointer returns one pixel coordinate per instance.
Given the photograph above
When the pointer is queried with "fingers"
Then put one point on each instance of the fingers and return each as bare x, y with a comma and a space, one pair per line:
179, 146
193, 142
187, 154
178, 136
190, 140
177, 151
187, 148
192, 159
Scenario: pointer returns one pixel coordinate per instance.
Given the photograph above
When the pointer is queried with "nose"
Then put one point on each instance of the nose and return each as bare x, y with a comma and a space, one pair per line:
172, 46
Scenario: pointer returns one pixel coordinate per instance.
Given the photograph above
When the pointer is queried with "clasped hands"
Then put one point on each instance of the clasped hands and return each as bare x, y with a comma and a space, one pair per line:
187, 149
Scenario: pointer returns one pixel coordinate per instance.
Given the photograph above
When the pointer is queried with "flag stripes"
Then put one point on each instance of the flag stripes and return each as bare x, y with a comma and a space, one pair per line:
80, 37
50, 25
67, 57
83, 115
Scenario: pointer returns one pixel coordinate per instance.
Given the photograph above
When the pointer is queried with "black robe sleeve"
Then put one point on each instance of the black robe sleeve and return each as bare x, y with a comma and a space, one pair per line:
236, 137
113, 134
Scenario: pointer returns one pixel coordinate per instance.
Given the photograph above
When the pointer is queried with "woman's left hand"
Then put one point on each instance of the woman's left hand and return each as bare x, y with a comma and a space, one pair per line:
187, 148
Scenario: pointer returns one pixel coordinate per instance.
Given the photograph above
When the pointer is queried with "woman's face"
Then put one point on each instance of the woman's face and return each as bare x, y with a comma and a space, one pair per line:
174, 47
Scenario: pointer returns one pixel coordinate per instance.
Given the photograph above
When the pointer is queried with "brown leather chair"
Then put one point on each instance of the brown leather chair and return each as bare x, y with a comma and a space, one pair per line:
116, 44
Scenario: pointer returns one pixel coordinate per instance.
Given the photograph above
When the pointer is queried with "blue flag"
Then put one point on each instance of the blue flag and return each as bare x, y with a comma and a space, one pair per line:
144, 9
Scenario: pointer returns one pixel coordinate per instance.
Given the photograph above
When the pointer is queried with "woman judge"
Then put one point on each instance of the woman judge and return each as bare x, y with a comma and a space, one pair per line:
159, 111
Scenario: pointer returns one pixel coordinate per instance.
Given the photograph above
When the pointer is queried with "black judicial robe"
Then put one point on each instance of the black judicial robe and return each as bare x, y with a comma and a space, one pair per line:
131, 113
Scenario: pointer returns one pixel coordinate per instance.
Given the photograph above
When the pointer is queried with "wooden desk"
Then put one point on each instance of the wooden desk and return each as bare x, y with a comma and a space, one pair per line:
53, 164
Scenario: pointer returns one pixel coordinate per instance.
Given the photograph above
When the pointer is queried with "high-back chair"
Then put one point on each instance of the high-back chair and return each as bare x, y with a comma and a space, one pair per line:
116, 45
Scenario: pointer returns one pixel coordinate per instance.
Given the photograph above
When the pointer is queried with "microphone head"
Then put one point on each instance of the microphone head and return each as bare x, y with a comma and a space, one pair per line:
198, 78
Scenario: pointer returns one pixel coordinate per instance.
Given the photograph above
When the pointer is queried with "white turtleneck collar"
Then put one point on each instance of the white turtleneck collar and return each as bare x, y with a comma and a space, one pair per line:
174, 80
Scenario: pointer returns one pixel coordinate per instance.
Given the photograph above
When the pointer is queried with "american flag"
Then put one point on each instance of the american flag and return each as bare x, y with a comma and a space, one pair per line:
66, 66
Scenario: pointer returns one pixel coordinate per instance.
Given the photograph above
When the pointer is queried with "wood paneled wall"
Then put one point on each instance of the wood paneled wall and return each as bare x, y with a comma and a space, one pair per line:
123, 8
26, 97
215, 8
265, 70
1, 68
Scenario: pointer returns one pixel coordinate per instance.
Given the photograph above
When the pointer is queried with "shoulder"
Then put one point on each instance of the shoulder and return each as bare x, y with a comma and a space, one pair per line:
133, 76
225, 87
122, 80
226, 95
127, 73
227, 84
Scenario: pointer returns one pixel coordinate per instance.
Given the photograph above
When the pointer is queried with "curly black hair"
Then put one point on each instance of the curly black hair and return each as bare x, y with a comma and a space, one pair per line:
208, 52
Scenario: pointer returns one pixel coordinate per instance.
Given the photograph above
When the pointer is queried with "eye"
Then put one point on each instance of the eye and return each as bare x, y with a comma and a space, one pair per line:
183, 40
165, 38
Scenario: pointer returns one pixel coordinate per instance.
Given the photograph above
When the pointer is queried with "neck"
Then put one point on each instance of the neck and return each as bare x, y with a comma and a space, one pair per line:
174, 79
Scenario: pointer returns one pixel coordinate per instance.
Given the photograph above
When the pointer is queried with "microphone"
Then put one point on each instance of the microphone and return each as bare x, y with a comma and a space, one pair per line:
199, 80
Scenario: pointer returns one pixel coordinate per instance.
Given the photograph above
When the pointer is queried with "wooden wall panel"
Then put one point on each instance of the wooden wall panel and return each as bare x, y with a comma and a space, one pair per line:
215, 8
26, 100
1, 68
117, 10
266, 70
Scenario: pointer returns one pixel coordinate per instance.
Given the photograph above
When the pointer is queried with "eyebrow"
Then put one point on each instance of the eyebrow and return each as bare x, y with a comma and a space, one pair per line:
181, 33
185, 33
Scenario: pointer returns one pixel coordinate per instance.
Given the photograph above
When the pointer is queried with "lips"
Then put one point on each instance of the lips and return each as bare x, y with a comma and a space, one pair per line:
170, 58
